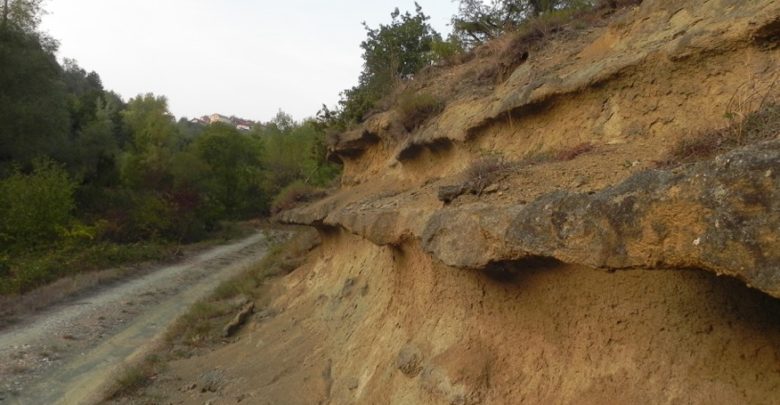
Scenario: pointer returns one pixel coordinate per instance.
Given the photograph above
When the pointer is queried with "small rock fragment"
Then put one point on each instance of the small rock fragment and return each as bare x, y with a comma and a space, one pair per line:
346, 290
447, 194
241, 317
490, 189
211, 381
267, 313
409, 361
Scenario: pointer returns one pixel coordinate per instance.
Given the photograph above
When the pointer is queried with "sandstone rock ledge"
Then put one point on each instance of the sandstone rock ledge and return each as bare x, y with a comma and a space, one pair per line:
721, 215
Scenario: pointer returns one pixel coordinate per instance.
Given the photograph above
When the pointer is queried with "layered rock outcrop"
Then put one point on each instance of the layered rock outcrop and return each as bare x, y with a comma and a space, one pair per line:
629, 90
721, 215
461, 262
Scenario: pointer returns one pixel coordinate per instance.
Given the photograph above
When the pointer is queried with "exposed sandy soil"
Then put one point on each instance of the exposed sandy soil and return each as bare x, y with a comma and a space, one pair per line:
364, 324
63, 354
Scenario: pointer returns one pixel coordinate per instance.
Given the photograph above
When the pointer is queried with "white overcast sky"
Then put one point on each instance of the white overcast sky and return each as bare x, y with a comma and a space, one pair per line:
235, 57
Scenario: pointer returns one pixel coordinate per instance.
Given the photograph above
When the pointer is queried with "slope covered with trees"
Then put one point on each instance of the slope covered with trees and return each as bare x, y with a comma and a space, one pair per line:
88, 179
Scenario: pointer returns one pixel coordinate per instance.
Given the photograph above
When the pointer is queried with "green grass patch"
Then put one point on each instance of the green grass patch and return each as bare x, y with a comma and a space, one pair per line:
134, 377
23, 271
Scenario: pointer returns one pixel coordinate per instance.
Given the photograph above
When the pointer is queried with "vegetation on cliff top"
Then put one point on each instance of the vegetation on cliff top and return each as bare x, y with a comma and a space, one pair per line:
394, 53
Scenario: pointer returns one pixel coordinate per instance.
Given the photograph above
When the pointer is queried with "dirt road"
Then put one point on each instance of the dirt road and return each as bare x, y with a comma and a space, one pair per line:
65, 354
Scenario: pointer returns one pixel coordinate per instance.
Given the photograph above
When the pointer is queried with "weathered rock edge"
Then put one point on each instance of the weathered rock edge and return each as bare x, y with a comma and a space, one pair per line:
721, 215
713, 30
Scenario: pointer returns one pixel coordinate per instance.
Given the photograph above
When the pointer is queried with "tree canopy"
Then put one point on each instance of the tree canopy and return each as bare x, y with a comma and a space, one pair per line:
34, 116
24, 15
390, 52
478, 21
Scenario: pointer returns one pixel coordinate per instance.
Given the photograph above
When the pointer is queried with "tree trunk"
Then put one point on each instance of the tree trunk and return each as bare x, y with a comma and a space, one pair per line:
5, 14
536, 7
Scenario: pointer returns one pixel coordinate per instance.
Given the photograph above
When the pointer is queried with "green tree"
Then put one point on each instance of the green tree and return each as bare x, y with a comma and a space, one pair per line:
34, 116
189, 130
234, 160
149, 121
96, 145
34, 207
296, 154
83, 90
281, 123
154, 138
24, 15
478, 21
390, 52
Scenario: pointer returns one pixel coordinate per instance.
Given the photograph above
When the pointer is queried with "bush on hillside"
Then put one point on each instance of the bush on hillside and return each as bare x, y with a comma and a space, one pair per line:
745, 128
486, 171
295, 193
530, 21
35, 207
446, 51
415, 108
573, 152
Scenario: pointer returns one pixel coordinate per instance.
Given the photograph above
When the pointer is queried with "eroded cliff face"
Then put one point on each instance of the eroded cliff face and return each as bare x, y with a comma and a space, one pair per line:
623, 94
585, 271
368, 324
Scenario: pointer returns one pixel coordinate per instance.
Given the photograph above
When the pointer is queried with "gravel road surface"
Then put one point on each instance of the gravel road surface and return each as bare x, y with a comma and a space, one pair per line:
64, 355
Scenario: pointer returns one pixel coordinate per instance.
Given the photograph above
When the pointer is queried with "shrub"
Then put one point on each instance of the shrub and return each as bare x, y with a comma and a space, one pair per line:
151, 216
294, 194
35, 207
134, 377
756, 126
485, 172
697, 146
25, 271
478, 21
745, 128
446, 51
572, 153
416, 108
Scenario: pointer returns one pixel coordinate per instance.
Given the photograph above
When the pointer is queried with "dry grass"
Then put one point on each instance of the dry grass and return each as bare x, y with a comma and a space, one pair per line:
414, 108
132, 378
574, 152
754, 113
293, 195
534, 33
486, 171
559, 155
491, 169
754, 116
202, 325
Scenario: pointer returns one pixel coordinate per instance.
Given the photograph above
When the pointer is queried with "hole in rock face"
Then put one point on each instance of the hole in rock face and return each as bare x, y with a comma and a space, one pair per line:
769, 35
414, 151
335, 158
355, 148
509, 271
326, 231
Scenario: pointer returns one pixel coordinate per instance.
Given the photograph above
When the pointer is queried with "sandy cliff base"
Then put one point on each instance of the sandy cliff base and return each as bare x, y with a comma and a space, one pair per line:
366, 324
